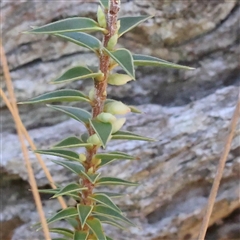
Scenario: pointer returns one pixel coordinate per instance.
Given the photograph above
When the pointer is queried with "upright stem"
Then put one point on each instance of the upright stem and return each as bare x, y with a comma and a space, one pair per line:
100, 88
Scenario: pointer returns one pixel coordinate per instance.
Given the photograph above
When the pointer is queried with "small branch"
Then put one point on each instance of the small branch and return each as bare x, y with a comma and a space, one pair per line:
219, 173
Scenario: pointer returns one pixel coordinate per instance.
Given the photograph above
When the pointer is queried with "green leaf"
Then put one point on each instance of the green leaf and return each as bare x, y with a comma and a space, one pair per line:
104, 200
110, 194
110, 221
134, 109
78, 114
91, 177
104, 3
124, 58
109, 212
75, 167
108, 238
107, 158
80, 235
82, 39
96, 227
65, 232
84, 137
125, 135
50, 191
71, 142
128, 23
83, 212
75, 24
73, 222
76, 73
70, 188
60, 153
63, 214
114, 181
144, 60
65, 95
103, 130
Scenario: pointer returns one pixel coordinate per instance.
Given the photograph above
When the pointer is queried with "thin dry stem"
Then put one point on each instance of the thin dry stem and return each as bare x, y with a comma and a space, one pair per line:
32, 180
219, 173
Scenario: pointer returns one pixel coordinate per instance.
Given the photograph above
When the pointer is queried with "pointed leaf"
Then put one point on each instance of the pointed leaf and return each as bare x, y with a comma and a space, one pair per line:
82, 39
91, 177
110, 221
50, 191
71, 142
75, 167
70, 188
76, 73
80, 235
103, 130
124, 58
144, 60
104, 3
114, 181
110, 194
128, 23
65, 232
75, 24
125, 135
65, 95
63, 214
108, 212
83, 212
60, 153
96, 227
78, 114
104, 200
73, 222
84, 137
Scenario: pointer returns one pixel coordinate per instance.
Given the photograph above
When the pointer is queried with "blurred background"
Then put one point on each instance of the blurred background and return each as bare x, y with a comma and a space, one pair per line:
188, 112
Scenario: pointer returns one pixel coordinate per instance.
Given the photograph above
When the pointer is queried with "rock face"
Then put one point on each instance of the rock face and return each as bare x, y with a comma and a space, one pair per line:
188, 112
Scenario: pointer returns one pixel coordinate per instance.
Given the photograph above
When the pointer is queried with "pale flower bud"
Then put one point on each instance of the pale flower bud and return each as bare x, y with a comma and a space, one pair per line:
91, 94
101, 18
116, 108
118, 79
118, 25
94, 139
96, 161
106, 117
90, 170
116, 126
112, 42
82, 157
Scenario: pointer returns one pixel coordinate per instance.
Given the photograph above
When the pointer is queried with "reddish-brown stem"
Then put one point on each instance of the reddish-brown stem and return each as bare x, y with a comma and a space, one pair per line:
100, 88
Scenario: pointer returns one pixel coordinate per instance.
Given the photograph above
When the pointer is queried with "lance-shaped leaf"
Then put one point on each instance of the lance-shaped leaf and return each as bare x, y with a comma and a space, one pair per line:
50, 191
65, 95
92, 177
110, 194
128, 23
63, 214
109, 212
125, 135
114, 181
103, 130
76, 73
104, 200
80, 235
75, 24
82, 39
124, 58
110, 221
75, 167
71, 142
134, 109
96, 227
83, 212
78, 114
60, 153
144, 60
107, 158
70, 188
63, 231
104, 3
